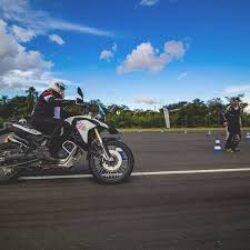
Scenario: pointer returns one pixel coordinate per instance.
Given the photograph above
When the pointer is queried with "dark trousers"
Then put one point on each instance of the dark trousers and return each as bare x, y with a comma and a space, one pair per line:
51, 127
233, 139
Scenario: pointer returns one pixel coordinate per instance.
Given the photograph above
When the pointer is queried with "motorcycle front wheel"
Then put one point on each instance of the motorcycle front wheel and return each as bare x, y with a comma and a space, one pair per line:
116, 171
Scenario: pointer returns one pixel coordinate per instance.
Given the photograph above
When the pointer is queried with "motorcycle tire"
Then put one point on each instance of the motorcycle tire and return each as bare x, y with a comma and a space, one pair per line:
8, 173
117, 171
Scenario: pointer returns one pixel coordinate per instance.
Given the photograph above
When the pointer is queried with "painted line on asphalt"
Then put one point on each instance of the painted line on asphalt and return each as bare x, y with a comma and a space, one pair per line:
191, 172
158, 173
55, 177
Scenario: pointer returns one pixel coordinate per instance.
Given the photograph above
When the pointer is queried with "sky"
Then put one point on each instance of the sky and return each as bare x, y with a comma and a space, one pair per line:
141, 53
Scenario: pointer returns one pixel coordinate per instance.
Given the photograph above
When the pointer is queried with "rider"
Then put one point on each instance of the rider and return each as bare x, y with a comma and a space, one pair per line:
47, 114
232, 121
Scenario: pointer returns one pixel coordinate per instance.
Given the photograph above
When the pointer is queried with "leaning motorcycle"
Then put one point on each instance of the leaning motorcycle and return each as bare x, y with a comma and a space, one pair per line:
110, 160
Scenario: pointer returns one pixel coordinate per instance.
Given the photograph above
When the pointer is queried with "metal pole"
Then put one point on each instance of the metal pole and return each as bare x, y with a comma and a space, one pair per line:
166, 117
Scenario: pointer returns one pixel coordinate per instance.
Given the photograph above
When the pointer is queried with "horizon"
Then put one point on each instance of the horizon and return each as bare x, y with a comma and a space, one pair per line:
153, 107
141, 53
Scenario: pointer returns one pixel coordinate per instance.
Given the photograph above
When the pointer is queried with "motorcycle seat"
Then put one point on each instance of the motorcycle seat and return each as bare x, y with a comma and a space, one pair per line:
25, 129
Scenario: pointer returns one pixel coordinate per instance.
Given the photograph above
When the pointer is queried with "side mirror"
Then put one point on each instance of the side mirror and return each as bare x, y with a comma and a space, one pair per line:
79, 101
80, 93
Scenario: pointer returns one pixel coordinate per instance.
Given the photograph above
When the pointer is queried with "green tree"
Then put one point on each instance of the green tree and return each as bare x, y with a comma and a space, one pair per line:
32, 96
215, 107
4, 99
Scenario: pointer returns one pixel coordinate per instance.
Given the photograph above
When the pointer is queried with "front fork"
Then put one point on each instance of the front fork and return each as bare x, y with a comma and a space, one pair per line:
106, 154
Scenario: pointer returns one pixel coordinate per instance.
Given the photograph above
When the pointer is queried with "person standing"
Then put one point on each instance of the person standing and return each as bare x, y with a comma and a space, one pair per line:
231, 119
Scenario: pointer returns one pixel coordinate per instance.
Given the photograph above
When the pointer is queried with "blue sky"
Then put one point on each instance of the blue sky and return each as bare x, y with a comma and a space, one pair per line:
142, 53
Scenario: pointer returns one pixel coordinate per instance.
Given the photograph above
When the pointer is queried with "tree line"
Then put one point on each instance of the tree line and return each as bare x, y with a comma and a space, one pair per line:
196, 113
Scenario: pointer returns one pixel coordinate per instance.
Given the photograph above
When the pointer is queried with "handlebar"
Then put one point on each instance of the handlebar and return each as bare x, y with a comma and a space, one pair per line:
85, 105
75, 102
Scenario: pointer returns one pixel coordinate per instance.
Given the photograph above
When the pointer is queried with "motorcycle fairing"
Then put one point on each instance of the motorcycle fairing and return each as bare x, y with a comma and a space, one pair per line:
84, 124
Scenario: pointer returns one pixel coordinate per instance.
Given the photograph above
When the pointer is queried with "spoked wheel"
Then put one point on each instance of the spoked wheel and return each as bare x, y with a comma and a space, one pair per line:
116, 171
8, 173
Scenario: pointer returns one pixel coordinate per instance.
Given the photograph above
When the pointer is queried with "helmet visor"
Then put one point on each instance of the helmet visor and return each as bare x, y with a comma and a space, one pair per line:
62, 88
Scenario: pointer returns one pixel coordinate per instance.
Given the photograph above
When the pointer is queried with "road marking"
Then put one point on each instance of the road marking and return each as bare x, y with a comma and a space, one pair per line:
55, 177
158, 173
191, 172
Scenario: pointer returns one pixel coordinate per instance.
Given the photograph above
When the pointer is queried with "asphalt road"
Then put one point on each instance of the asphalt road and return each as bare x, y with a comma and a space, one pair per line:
188, 211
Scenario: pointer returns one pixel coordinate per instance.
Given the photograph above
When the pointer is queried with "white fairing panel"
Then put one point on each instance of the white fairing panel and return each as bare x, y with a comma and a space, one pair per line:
83, 127
102, 124
25, 129
71, 119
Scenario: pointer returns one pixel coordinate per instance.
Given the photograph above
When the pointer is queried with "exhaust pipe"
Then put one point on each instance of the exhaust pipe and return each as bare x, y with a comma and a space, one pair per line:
20, 157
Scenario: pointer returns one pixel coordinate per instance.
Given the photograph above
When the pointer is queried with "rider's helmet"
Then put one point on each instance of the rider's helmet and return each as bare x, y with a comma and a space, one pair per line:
235, 99
58, 87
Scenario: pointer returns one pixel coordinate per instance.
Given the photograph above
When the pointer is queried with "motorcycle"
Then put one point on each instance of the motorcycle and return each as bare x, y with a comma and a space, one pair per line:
110, 160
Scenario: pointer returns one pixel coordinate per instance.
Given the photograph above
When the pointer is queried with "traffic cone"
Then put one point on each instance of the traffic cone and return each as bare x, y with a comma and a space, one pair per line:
217, 146
248, 136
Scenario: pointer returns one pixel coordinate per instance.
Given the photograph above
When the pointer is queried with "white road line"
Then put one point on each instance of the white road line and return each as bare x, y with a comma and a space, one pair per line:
55, 177
192, 172
159, 173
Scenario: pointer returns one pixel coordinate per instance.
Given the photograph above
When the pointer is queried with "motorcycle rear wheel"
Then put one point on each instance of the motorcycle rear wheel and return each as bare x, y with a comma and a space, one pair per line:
8, 173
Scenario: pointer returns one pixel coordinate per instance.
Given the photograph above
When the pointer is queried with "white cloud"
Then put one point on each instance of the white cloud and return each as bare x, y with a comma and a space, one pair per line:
57, 39
234, 90
18, 66
146, 57
18, 79
56, 24
146, 100
108, 54
21, 34
182, 76
247, 109
39, 21
114, 47
149, 3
